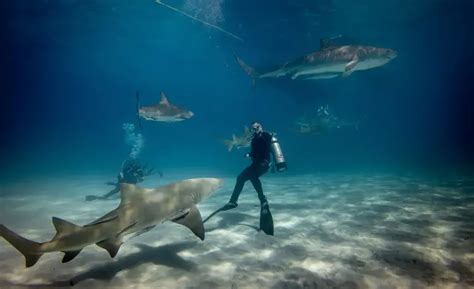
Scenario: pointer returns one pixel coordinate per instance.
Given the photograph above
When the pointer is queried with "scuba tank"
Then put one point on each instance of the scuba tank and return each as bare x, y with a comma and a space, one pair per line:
278, 157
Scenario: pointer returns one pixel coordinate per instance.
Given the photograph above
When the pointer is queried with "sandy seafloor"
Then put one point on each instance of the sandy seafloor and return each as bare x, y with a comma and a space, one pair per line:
331, 231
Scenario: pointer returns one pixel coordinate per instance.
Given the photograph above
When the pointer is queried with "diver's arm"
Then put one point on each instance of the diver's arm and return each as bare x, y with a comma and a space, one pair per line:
112, 192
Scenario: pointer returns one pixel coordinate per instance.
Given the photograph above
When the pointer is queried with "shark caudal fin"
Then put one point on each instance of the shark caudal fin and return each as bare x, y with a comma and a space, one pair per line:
248, 69
229, 144
28, 248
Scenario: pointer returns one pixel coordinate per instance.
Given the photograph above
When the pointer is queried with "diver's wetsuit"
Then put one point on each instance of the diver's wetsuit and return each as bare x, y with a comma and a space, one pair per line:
120, 179
260, 154
132, 173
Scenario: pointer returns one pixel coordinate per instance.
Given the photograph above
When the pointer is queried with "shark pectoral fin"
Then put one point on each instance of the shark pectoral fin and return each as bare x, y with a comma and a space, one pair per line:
69, 255
295, 75
193, 221
112, 245
64, 227
349, 68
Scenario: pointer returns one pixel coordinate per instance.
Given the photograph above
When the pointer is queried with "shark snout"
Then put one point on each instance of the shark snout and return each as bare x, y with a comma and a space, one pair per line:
216, 183
392, 54
187, 115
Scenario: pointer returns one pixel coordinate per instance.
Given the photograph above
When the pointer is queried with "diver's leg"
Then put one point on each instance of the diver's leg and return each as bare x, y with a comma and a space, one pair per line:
104, 197
257, 184
258, 171
239, 185
266, 219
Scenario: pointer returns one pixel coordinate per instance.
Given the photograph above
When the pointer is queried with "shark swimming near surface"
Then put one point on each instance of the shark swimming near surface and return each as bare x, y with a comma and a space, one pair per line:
163, 111
329, 62
140, 209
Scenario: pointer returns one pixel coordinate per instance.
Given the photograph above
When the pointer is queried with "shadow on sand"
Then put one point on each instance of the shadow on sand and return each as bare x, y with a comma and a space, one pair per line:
166, 255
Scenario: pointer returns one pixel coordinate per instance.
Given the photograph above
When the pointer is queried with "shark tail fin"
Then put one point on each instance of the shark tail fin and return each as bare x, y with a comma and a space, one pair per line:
28, 248
137, 95
229, 144
250, 71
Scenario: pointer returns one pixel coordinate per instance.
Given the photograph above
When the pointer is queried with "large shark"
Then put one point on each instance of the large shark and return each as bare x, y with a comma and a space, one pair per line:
140, 209
240, 141
329, 62
163, 111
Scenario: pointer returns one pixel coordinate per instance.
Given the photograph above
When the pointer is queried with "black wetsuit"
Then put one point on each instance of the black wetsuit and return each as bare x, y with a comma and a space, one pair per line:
132, 173
116, 189
260, 154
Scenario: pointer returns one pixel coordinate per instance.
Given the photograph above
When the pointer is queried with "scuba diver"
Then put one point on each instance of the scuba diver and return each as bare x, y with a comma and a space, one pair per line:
263, 145
132, 172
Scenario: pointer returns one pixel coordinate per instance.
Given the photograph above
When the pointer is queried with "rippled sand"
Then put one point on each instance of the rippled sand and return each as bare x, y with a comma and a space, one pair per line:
331, 231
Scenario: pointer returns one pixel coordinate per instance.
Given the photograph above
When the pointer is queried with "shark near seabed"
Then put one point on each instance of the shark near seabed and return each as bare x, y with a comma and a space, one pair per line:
329, 62
140, 210
240, 141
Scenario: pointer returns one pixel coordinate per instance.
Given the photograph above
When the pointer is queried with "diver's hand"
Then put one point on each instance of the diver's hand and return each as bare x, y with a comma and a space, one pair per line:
247, 155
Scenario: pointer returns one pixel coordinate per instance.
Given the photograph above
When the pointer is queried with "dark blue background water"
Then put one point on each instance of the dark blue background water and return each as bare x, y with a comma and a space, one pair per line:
70, 70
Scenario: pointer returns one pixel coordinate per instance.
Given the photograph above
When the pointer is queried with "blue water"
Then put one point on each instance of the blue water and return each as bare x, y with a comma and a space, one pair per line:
386, 205
70, 70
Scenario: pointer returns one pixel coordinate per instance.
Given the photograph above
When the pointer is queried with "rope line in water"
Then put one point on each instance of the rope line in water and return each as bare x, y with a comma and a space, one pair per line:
199, 20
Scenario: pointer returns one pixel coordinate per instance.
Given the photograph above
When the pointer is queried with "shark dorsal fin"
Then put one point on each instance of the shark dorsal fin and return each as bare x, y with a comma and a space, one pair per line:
193, 221
325, 43
64, 227
164, 99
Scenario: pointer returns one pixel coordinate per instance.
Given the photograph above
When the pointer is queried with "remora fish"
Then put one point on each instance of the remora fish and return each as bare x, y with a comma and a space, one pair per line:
163, 111
139, 210
329, 62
